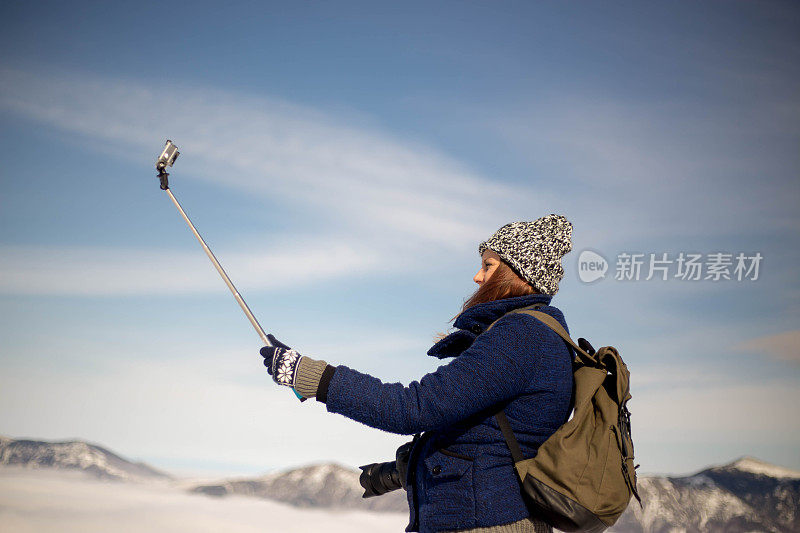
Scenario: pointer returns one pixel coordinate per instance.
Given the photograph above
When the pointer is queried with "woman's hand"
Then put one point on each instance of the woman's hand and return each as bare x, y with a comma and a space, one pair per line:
301, 373
281, 362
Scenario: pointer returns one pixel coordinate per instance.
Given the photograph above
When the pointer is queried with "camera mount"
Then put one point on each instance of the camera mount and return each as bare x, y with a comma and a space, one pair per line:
166, 159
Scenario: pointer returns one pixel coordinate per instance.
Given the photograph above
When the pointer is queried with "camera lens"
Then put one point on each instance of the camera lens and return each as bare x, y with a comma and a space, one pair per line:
379, 478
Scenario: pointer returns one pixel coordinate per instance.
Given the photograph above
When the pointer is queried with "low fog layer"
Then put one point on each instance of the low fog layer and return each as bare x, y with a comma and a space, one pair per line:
66, 502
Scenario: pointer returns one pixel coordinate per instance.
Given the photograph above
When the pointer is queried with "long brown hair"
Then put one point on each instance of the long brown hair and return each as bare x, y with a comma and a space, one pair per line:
503, 283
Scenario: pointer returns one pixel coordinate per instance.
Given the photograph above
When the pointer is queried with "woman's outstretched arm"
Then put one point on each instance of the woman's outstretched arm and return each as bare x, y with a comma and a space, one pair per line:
498, 366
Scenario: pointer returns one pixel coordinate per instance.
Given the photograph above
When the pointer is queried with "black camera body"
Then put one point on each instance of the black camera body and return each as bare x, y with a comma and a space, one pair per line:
380, 478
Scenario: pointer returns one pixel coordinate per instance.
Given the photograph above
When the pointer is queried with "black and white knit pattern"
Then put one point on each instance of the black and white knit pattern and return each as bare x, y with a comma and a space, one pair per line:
284, 366
534, 249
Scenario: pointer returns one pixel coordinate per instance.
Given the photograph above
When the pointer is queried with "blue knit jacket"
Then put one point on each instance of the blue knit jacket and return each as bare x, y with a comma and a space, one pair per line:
461, 473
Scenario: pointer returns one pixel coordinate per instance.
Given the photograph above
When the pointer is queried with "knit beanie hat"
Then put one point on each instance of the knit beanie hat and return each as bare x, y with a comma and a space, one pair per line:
534, 249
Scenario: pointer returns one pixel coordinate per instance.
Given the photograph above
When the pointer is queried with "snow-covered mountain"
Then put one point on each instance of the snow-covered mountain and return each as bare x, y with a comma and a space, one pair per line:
323, 485
746, 495
743, 496
74, 455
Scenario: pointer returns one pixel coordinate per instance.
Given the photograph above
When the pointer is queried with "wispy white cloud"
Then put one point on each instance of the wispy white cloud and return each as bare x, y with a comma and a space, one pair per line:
100, 271
783, 346
345, 183
358, 176
634, 172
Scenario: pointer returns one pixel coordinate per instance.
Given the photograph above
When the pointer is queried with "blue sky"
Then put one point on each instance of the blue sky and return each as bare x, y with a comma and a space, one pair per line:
343, 161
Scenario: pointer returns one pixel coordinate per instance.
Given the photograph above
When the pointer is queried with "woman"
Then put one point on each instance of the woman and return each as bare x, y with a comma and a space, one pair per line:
460, 475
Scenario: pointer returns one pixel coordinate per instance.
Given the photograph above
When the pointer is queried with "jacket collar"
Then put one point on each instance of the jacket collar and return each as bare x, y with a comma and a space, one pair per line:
475, 320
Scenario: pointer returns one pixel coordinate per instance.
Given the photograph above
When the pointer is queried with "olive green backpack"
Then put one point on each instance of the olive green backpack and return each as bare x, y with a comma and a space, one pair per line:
582, 477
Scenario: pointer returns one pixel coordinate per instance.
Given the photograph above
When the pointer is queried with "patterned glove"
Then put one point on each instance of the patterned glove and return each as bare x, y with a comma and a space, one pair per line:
302, 374
281, 362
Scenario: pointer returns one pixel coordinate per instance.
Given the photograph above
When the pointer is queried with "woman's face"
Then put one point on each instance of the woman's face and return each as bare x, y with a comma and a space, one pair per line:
489, 263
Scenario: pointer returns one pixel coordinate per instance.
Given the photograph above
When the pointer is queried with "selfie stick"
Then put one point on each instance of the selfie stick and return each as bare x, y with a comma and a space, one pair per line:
166, 159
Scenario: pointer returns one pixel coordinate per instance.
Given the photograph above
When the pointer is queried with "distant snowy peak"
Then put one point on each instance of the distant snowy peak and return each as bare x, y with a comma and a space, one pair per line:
756, 466
320, 485
74, 455
316, 476
740, 497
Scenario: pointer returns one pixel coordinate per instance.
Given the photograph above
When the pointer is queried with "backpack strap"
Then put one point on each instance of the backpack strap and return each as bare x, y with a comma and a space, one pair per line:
583, 355
508, 434
556, 326
553, 324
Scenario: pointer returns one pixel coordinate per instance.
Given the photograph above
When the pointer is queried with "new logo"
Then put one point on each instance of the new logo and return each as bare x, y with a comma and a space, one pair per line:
591, 266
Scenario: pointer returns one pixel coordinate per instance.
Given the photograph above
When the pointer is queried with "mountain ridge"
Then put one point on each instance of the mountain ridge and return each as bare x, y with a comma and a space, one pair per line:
75, 454
327, 485
736, 497
745, 495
